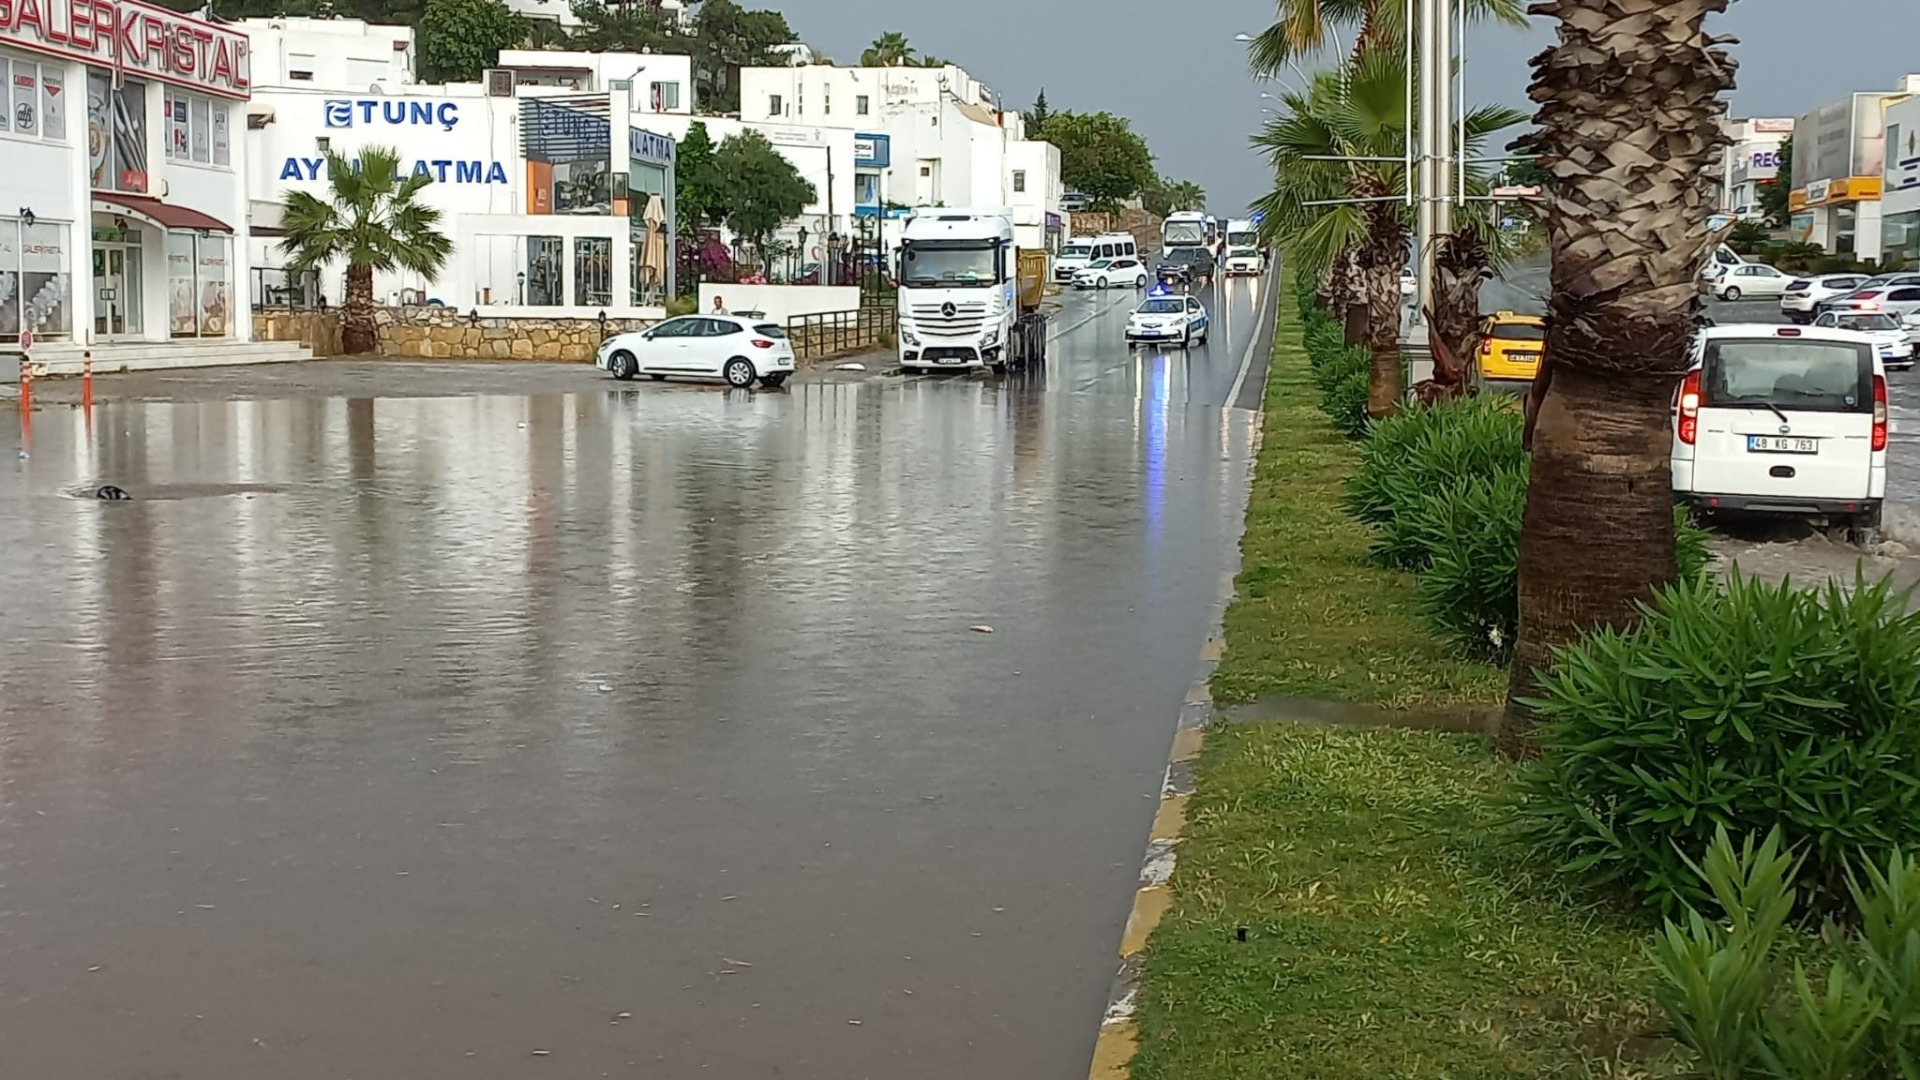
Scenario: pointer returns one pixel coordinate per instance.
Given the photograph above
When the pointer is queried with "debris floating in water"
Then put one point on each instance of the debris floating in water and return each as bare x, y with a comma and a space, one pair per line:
111, 493
981, 629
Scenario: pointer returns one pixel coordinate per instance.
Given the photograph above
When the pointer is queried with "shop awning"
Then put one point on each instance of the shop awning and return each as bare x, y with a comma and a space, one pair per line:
155, 212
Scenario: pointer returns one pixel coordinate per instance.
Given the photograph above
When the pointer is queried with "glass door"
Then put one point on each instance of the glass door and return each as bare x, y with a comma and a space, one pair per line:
116, 284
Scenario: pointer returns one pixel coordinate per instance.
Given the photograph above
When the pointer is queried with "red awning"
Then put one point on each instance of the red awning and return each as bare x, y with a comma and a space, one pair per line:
163, 214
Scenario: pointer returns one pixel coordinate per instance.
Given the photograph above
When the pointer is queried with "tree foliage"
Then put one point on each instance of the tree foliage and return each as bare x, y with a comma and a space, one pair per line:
1772, 194
1302, 28
727, 37
699, 191
1036, 117
890, 49
460, 39
759, 188
1100, 155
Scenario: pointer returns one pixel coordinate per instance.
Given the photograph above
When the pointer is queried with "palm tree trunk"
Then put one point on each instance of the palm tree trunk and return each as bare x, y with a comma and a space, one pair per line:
356, 322
1629, 123
1381, 260
1453, 318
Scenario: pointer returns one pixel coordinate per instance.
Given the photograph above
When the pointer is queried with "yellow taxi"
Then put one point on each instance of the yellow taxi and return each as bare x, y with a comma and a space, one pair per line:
1510, 345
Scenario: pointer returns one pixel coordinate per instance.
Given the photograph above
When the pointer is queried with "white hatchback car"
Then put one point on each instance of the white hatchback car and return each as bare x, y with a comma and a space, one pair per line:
730, 347
1803, 295
1784, 420
1106, 273
1750, 280
1888, 333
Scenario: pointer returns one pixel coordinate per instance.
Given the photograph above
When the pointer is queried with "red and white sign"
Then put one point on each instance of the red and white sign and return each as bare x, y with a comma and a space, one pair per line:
1773, 126
133, 38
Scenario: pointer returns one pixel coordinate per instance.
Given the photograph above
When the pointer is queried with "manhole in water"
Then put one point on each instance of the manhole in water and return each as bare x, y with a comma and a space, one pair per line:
168, 492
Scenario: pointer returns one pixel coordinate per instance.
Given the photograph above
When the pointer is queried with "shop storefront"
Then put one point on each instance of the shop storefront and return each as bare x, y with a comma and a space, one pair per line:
1900, 200
650, 216
126, 194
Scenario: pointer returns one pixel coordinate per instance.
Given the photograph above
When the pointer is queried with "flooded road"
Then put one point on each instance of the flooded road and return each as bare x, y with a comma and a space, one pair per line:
628, 731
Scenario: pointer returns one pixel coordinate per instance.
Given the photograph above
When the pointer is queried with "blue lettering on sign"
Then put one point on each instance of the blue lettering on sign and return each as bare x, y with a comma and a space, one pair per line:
441, 171
339, 113
646, 144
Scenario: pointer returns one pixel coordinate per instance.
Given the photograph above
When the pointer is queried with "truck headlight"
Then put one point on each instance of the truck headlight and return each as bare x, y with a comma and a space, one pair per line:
909, 336
991, 337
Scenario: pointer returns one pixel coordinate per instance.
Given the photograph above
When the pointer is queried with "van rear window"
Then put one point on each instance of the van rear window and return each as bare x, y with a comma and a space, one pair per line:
1519, 332
1815, 376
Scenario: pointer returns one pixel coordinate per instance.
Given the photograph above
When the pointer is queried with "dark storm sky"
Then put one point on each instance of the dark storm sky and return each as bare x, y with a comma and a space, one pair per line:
1173, 67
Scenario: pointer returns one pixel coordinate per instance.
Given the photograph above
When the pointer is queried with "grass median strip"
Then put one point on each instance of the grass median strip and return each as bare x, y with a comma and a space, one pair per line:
1347, 903
1313, 618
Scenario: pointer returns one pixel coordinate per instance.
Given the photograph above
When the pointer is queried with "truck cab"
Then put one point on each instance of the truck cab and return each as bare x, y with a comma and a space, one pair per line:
957, 295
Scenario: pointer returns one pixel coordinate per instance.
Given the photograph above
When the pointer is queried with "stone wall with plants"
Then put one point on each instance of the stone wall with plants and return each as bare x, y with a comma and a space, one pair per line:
317, 330
443, 333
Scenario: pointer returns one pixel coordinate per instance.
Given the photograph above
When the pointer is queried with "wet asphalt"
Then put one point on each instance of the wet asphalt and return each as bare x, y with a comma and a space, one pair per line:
634, 730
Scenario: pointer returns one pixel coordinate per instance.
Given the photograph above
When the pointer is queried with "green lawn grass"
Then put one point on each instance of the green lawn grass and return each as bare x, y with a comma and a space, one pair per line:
1311, 616
1393, 928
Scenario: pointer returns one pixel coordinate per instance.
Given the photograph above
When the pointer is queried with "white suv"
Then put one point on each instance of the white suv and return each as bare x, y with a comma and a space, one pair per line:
1804, 294
1784, 420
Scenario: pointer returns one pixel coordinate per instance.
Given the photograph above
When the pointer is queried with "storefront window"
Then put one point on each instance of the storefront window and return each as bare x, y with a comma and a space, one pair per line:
182, 308
545, 255
197, 129
36, 286
593, 271
199, 285
1844, 227
1900, 237
581, 187
117, 133
32, 98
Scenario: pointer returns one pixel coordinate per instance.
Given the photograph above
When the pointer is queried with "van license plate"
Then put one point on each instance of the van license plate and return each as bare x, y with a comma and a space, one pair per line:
1773, 444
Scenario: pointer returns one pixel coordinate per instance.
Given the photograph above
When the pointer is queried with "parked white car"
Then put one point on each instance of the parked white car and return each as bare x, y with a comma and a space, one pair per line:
1896, 294
1107, 273
730, 347
1888, 333
1752, 280
1804, 294
1784, 420
1168, 318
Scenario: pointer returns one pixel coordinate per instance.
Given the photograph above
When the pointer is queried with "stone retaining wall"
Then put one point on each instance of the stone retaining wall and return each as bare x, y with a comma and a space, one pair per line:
443, 333
319, 331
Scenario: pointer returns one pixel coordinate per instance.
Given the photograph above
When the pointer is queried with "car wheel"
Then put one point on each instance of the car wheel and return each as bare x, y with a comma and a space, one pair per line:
623, 365
1102, 283
739, 373
772, 382
1731, 292
1140, 282
1864, 529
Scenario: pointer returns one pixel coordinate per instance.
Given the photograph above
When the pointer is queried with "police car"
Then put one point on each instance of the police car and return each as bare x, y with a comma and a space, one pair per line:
1166, 316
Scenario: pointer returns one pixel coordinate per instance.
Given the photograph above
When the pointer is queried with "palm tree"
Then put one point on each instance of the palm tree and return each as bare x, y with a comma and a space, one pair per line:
1186, 195
373, 219
1302, 28
888, 50
1629, 125
1358, 115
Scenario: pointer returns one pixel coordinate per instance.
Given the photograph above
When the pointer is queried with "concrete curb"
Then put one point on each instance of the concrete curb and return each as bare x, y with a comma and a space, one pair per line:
1119, 1036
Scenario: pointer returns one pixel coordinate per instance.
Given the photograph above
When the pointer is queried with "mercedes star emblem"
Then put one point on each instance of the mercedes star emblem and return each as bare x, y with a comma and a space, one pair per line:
948, 309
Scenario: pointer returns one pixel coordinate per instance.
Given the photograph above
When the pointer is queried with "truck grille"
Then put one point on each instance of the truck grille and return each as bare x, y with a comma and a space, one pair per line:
967, 318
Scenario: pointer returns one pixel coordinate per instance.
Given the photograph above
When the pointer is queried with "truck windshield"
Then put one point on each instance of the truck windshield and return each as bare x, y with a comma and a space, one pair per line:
1184, 232
949, 265
1077, 251
1815, 376
1240, 240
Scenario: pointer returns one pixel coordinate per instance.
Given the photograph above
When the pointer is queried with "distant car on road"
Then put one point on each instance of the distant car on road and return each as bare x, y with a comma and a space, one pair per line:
1181, 319
1107, 273
1511, 345
1805, 293
1244, 260
1196, 263
1749, 280
1409, 282
1888, 333
1892, 293
731, 347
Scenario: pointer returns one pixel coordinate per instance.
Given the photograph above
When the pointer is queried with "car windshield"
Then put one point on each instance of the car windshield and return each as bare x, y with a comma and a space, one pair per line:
1162, 307
1816, 376
950, 265
1519, 332
1865, 322
1077, 251
1099, 264
771, 330
1244, 253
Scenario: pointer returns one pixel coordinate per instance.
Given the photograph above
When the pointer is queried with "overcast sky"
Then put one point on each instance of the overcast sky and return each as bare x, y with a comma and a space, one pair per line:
1173, 67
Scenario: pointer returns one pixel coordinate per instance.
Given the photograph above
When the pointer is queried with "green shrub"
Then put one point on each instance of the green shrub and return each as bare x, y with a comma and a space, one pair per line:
1725, 984
1334, 368
1470, 590
1423, 453
1325, 341
1747, 707
1346, 403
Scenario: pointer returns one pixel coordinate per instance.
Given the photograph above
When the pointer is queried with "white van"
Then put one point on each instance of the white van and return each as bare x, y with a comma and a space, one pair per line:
1082, 251
1788, 420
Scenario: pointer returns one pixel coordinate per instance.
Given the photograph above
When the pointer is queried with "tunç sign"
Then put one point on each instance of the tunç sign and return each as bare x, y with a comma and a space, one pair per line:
133, 38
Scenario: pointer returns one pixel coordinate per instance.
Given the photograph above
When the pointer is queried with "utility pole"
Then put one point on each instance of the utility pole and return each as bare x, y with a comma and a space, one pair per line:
1431, 61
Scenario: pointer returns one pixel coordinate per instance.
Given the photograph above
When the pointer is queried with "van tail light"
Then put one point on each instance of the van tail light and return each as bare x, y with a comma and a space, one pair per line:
1879, 412
1689, 427
762, 343
1486, 346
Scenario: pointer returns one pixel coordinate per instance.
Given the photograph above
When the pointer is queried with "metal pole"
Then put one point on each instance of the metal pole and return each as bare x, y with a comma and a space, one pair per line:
1424, 211
1407, 117
1460, 102
1442, 84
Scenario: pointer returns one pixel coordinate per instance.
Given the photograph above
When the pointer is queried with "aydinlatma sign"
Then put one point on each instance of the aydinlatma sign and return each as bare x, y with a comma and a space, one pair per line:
133, 38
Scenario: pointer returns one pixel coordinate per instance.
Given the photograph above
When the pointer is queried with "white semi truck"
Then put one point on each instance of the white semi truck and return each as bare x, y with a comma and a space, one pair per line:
1244, 255
969, 297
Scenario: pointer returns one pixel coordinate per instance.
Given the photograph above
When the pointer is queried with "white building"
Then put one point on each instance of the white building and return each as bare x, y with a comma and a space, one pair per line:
931, 136
125, 206
1839, 169
662, 83
1900, 202
1751, 162
339, 53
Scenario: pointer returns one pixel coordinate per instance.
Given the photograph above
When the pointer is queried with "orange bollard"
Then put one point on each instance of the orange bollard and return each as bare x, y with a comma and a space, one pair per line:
86, 380
26, 385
